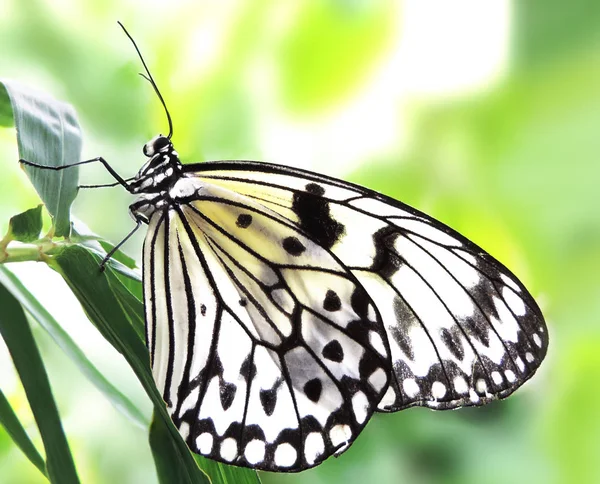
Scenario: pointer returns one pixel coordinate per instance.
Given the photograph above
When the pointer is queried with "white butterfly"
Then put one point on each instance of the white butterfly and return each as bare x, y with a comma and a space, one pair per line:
284, 308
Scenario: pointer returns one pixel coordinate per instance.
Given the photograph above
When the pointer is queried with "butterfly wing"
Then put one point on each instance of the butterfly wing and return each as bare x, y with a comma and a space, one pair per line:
462, 329
267, 350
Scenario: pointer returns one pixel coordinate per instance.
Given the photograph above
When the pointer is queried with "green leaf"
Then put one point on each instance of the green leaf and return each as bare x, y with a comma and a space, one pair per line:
18, 337
48, 134
13, 427
165, 452
68, 346
26, 226
223, 474
124, 267
118, 255
119, 316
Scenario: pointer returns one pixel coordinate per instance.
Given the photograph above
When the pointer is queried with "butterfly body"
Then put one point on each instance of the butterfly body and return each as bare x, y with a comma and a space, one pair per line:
284, 308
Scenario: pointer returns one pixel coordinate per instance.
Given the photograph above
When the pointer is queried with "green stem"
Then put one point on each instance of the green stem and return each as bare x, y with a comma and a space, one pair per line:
29, 252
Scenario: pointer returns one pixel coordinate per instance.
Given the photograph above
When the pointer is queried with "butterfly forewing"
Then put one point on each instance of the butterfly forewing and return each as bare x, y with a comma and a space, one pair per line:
462, 329
273, 355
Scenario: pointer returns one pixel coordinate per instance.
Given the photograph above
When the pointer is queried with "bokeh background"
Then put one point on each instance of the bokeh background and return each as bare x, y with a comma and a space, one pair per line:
486, 115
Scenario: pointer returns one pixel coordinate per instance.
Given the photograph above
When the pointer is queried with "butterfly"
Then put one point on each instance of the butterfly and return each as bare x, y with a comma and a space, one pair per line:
284, 308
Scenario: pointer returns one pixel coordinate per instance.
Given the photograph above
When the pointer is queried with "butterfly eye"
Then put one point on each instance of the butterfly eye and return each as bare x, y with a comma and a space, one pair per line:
155, 145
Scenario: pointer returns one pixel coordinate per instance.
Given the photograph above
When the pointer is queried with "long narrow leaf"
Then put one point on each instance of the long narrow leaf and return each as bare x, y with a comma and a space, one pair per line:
104, 298
66, 343
165, 452
48, 134
12, 425
17, 335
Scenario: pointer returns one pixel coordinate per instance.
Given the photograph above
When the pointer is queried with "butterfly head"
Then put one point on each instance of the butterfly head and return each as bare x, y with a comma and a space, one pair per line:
156, 145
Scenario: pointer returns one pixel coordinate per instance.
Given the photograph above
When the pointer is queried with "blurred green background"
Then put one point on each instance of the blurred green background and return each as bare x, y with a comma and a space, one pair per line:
483, 114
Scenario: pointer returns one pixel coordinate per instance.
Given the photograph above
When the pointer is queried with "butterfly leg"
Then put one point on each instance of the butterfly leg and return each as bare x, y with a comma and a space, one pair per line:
106, 185
109, 168
116, 247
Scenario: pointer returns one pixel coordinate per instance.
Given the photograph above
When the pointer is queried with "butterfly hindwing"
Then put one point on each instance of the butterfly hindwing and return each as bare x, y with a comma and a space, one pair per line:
283, 354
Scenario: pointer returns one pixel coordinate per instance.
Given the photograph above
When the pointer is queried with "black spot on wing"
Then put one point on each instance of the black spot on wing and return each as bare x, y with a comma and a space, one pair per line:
315, 217
244, 220
226, 393
405, 320
386, 263
332, 301
452, 340
313, 388
268, 399
360, 302
403, 342
333, 351
293, 246
248, 369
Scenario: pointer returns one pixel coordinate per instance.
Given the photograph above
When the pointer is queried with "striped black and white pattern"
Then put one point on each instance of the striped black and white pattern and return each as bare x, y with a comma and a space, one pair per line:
283, 308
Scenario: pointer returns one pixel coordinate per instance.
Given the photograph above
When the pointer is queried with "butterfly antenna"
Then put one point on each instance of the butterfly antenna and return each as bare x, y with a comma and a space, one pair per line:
150, 79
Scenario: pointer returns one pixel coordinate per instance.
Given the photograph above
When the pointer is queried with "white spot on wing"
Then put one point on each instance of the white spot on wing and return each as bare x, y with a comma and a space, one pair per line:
507, 327
340, 434
285, 455
510, 376
410, 387
438, 389
514, 302
371, 314
520, 364
481, 386
313, 447
255, 451
229, 449
460, 385
378, 379
496, 377
204, 443
360, 405
377, 342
